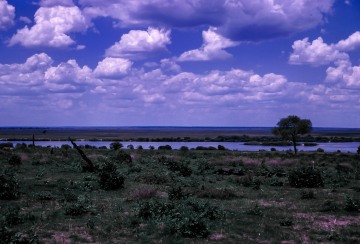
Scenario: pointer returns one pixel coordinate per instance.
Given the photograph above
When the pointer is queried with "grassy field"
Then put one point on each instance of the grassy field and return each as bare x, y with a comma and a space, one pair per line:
48, 195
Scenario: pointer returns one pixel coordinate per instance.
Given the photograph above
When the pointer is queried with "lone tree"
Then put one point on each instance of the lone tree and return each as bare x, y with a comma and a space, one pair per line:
288, 128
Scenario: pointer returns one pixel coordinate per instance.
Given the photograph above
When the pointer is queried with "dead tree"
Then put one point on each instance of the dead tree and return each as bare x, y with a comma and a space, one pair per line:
89, 167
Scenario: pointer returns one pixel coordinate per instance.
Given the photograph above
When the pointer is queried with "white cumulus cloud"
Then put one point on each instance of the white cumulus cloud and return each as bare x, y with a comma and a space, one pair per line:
112, 67
318, 52
7, 15
138, 43
52, 27
314, 53
212, 48
349, 44
344, 73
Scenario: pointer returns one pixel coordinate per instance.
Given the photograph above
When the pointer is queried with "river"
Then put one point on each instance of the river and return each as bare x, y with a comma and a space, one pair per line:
327, 147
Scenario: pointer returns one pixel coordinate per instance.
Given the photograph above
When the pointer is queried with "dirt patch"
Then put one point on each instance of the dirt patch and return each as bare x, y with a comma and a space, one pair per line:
76, 234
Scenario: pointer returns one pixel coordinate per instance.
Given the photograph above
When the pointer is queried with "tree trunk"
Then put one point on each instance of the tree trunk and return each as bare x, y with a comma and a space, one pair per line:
293, 137
90, 166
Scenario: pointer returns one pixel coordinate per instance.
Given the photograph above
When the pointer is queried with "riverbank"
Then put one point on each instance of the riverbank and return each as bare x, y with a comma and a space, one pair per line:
169, 134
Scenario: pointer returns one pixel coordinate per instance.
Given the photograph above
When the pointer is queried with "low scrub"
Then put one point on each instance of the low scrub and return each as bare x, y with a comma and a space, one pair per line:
179, 167
188, 218
110, 178
352, 205
216, 193
143, 192
9, 187
15, 160
307, 194
308, 177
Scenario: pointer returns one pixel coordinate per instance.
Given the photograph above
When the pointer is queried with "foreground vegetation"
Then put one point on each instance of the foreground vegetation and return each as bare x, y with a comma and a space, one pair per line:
48, 195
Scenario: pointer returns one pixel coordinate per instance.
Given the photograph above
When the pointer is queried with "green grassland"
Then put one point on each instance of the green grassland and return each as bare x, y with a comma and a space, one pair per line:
178, 196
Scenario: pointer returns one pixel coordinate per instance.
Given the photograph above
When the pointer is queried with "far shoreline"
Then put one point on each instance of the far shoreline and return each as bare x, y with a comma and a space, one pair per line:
168, 133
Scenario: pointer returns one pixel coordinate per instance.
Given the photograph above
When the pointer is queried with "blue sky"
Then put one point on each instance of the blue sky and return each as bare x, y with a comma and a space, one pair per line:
179, 62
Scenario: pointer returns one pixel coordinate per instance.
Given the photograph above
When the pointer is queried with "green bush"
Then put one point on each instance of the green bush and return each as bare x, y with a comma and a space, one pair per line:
9, 187
286, 221
15, 160
329, 206
307, 194
121, 157
75, 209
176, 193
110, 178
188, 218
276, 181
116, 145
44, 196
152, 178
215, 193
256, 210
166, 147
175, 166
351, 205
6, 145
184, 149
12, 216
305, 177
6, 235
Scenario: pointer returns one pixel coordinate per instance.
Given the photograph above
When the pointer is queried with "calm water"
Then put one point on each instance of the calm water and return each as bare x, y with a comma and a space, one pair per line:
328, 147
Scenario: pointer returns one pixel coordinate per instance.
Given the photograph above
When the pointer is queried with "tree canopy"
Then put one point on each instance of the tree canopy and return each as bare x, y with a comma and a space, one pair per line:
288, 128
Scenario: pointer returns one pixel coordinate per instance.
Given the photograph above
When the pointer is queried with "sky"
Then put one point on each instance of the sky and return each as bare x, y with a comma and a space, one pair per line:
179, 62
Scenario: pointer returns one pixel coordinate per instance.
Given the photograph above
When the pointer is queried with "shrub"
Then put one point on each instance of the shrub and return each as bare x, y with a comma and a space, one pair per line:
44, 196
9, 187
204, 166
116, 145
152, 178
246, 180
144, 192
65, 147
15, 160
176, 193
175, 166
307, 194
186, 218
184, 149
110, 178
329, 206
351, 205
6, 235
75, 209
305, 177
12, 216
221, 147
6, 144
21, 146
320, 150
224, 193
121, 157
358, 150
166, 147
256, 210
286, 221
275, 181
